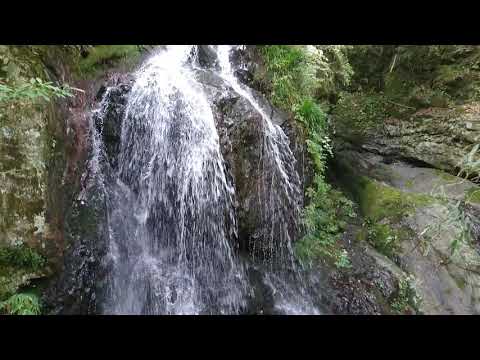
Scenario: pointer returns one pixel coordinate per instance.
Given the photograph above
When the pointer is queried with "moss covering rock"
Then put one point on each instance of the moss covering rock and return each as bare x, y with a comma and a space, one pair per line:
422, 227
19, 265
102, 57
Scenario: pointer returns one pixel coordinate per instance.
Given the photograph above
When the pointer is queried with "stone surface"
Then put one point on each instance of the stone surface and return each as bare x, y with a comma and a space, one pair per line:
423, 213
439, 137
78, 287
241, 130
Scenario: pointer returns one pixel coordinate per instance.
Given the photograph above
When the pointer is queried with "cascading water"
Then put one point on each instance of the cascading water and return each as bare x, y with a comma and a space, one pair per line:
281, 208
172, 211
280, 205
171, 215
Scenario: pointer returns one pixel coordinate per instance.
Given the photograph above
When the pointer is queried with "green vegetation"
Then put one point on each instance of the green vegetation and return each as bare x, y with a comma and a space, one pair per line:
19, 87
296, 76
378, 201
383, 237
418, 76
391, 81
325, 220
101, 56
21, 304
473, 196
18, 266
374, 86
35, 88
470, 165
457, 218
309, 83
384, 207
360, 113
21, 256
406, 300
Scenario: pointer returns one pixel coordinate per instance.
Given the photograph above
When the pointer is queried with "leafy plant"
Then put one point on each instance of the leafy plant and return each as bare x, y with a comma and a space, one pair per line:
17, 85
21, 304
469, 166
100, 55
324, 220
21, 256
382, 237
297, 74
35, 88
406, 299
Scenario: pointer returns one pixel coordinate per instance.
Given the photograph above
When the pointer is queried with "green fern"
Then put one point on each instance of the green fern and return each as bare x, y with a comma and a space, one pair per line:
296, 75
21, 304
35, 88
21, 257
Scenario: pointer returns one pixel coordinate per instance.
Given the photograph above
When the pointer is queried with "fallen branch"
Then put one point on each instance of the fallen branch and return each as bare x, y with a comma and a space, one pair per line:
393, 62
77, 89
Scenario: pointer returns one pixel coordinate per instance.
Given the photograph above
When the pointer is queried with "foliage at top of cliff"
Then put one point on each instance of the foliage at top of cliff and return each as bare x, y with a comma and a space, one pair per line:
298, 72
418, 75
98, 58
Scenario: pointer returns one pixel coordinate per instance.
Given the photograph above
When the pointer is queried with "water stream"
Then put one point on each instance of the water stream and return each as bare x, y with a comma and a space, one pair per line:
171, 208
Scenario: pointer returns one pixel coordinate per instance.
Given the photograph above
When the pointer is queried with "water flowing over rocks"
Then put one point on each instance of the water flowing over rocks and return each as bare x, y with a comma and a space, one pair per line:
185, 186
187, 170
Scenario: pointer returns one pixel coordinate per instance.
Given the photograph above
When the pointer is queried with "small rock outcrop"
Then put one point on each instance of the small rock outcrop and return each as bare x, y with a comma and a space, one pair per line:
438, 137
423, 218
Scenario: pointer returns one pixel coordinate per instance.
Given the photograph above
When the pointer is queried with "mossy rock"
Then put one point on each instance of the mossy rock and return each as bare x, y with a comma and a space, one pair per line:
18, 266
103, 56
383, 238
12, 279
473, 195
378, 201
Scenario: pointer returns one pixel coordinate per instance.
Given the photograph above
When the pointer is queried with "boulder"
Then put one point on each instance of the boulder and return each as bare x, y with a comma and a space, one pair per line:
438, 137
425, 221
206, 56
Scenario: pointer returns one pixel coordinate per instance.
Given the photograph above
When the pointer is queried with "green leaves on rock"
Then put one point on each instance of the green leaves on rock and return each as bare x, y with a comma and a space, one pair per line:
21, 256
298, 74
32, 90
21, 304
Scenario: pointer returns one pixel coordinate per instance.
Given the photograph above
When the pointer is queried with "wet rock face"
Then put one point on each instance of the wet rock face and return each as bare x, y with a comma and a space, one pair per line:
261, 300
240, 127
80, 282
78, 286
109, 124
244, 61
418, 212
207, 58
242, 139
242, 150
435, 136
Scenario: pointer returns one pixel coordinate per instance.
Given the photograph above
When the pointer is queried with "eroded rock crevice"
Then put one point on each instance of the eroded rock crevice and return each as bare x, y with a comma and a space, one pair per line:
419, 213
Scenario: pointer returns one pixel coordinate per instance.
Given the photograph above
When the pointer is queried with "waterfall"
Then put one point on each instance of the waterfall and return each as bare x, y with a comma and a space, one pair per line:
172, 226
281, 208
280, 197
172, 211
